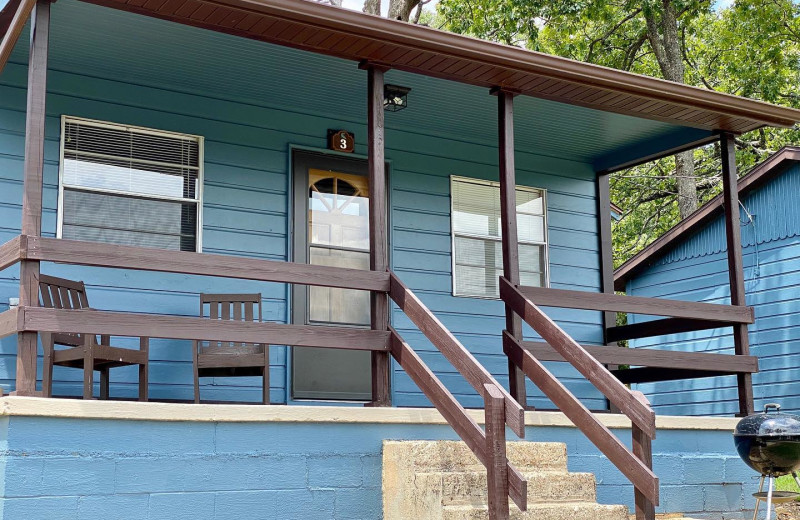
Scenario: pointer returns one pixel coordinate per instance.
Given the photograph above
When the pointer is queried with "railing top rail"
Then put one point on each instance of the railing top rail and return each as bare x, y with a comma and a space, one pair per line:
585, 300
458, 355
97, 254
585, 363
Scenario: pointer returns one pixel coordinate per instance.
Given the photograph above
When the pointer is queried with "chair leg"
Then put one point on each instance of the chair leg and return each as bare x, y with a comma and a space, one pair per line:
144, 346
88, 368
104, 384
265, 375
47, 369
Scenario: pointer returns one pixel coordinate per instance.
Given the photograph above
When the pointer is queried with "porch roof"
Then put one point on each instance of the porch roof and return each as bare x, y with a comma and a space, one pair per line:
586, 113
357, 36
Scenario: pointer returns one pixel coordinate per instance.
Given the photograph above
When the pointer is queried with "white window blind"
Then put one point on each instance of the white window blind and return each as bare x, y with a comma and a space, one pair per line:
131, 186
477, 247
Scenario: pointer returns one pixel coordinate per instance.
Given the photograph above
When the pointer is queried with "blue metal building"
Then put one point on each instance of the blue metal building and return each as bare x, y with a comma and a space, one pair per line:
689, 263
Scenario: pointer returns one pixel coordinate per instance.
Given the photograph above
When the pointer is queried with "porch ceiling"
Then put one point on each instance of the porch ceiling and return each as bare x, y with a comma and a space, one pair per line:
592, 121
356, 36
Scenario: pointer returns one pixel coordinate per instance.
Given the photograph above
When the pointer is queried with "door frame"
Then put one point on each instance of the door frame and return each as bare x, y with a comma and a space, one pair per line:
300, 160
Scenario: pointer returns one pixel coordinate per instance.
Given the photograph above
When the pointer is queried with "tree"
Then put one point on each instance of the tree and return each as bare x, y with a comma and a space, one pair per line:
398, 9
620, 34
748, 49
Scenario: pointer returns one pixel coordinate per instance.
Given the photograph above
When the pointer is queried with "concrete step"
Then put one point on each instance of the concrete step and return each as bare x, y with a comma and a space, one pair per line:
456, 456
442, 480
543, 487
561, 511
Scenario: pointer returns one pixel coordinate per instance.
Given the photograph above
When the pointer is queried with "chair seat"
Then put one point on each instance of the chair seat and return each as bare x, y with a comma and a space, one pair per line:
105, 356
230, 360
232, 350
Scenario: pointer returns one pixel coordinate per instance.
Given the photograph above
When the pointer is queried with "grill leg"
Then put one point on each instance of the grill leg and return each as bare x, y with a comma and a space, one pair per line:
796, 478
758, 501
769, 496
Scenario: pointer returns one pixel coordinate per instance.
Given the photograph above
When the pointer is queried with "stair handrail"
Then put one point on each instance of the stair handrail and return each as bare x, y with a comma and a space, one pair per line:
458, 355
504, 481
636, 465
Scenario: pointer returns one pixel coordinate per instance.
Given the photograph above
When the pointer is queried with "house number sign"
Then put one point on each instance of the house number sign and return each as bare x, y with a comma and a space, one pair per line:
341, 141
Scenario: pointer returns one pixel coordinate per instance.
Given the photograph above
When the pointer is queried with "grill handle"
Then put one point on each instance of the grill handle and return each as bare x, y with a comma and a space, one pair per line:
774, 406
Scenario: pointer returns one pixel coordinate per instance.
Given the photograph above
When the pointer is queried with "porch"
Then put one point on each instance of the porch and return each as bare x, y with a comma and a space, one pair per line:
623, 119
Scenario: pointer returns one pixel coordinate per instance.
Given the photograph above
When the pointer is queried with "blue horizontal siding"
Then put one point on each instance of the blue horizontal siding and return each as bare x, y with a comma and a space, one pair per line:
247, 197
696, 269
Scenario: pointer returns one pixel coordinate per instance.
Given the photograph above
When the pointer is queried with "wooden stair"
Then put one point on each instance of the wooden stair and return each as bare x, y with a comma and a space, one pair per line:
442, 480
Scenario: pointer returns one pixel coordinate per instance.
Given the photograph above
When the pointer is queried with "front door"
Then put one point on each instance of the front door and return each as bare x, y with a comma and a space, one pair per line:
331, 228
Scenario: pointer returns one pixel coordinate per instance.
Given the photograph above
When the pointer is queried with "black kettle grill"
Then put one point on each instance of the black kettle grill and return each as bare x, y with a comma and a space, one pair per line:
769, 443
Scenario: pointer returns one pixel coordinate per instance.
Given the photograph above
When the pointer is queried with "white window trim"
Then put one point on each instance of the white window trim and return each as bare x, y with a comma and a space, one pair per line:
546, 243
139, 129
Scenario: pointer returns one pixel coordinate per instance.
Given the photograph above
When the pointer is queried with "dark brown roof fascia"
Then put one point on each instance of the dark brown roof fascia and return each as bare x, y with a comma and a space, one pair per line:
756, 177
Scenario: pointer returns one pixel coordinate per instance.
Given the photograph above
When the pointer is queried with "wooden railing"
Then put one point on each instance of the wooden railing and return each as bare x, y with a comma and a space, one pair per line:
458, 355
636, 465
504, 481
655, 365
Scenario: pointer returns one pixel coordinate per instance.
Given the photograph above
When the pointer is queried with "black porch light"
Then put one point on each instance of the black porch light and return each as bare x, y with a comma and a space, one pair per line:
395, 97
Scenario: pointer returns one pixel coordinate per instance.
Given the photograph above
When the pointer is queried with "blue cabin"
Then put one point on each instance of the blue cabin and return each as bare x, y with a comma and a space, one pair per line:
249, 246
689, 263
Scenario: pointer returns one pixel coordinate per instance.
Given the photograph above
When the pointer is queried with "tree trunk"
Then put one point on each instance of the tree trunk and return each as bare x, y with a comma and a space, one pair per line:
372, 7
662, 32
687, 184
401, 9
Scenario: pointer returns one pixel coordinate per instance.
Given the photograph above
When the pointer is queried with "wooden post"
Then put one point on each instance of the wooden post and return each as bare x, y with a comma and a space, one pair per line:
497, 465
643, 450
378, 243
606, 259
32, 191
508, 223
735, 264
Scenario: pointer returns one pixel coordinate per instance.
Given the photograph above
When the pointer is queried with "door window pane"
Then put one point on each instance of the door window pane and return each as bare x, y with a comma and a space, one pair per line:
338, 210
334, 305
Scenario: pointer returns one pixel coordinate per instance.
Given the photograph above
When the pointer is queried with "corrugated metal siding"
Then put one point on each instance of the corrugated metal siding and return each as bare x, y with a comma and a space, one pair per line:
781, 221
697, 270
251, 102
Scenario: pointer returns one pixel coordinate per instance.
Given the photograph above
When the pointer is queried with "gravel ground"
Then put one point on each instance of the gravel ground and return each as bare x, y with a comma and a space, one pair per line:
790, 511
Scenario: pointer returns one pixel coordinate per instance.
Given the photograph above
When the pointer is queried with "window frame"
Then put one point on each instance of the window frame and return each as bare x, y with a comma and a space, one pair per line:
142, 130
454, 234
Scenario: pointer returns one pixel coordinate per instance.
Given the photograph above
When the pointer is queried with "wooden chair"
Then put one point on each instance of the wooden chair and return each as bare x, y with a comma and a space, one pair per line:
83, 350
229, 359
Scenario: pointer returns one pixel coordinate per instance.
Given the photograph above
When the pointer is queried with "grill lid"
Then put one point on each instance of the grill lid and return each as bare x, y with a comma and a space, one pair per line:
769, 424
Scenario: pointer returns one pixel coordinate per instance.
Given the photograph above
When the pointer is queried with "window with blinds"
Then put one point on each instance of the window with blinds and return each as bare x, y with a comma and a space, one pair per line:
128, 185
477, 246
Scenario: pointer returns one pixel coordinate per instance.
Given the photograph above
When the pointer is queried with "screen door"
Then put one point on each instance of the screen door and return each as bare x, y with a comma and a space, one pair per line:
331, 228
